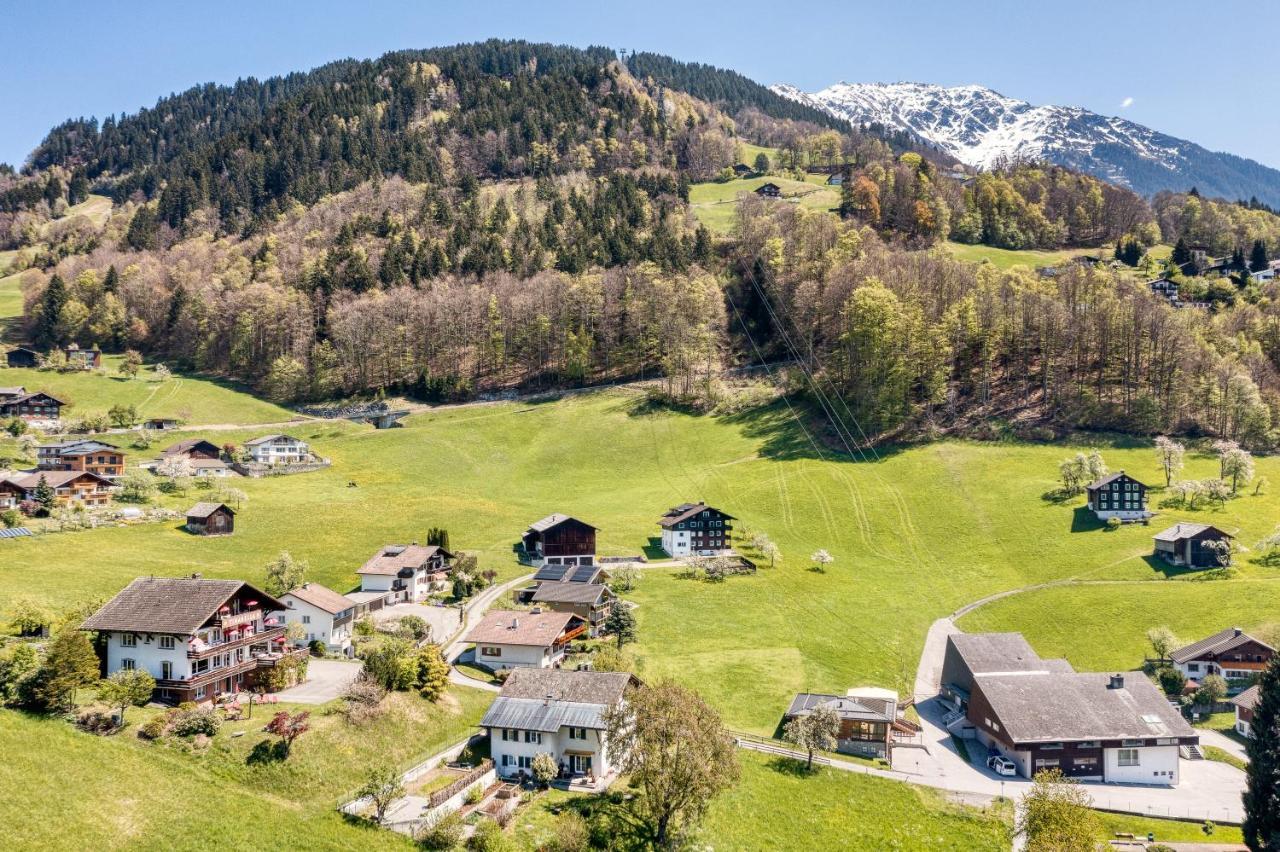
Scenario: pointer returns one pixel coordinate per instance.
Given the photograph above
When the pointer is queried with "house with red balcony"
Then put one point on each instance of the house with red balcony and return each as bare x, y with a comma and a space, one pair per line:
202, 640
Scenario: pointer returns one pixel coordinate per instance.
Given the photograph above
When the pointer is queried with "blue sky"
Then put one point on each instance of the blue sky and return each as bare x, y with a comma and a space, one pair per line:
1170, 64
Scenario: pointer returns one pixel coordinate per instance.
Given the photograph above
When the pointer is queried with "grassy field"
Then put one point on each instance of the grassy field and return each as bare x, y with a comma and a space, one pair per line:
121, 792
776, 805
1009, 258
195, 399
1165, 830
715, 204
10, 304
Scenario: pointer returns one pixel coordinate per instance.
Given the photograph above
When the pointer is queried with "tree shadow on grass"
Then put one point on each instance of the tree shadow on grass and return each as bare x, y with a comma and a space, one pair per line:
802, 431
792, 767
613, 819
267, 752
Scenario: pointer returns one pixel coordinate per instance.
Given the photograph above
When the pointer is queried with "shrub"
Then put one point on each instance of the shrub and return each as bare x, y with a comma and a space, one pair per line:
440, 834
489, 837
96, 722
544, 768
474, 794
1113, 523
197, 720
155, 727
10, 518
316, 648
572, 834
1171, 680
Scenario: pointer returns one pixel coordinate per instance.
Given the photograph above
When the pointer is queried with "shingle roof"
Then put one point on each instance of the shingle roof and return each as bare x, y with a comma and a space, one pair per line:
391, 559
204, 510
1058, 706
553, 520
685, 511
169, 605
845, 707
986, 653
322, 597
1248, 699
566, 592
568, 574
604, 688
1183, 530
1218, 643
510, 627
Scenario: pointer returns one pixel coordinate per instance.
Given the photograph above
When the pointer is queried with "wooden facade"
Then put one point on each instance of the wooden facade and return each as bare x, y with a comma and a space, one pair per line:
563, 541
22, 357
769, 190
32, 406
1118, 496
1188, 545
215, 520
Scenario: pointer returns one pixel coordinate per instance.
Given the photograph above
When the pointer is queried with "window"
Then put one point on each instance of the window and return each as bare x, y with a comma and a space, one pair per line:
1167, 741
1051, 746
577, 733
1193, 667
1127, 757
506, 758
1086, 761
199, 692
533, 737
491, 651
1089, 744
166, 643
506, 735
1047, 763
526, 762
128, 640
1131, 743
306, 619
127, 665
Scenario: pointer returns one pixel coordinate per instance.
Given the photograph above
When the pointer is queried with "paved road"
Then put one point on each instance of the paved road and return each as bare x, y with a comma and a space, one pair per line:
1230, 746
326, 679
473, 610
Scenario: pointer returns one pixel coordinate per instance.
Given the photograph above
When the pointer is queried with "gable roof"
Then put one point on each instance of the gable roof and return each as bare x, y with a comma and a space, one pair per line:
204, 510
553, 520
510, 627
1248, 699
684, 511
765, 186
568, 592
1184, 530
269, 438
568, 574
1107, 480
169, 604
187, 445
549, 699
391, 559
55, 478
1059, 706
1218, 643
321, 597
33, 395
846, 707
13, 391
84, 448
995, 653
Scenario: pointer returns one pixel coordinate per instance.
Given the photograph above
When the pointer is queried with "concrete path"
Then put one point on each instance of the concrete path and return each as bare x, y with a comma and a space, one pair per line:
472, 613
1220, 740
326, 680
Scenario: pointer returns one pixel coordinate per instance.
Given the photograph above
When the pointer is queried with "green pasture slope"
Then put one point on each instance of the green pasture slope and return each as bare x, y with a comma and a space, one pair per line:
715, 204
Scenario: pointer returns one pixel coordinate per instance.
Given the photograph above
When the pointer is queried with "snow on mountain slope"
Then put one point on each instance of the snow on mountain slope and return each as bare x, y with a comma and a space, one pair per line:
979, 127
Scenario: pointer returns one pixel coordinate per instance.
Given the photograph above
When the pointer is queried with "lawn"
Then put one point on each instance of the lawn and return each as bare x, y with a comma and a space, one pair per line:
777, 805
715, 204
1165, 829
121, 792
1009, 258
10, 304
195, 399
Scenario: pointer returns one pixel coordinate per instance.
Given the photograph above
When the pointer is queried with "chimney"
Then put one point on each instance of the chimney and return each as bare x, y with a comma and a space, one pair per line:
1117, 682
1236, 631
196, 575
515, 622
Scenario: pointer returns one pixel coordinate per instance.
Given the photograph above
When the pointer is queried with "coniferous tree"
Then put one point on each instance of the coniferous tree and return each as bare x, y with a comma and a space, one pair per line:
1262, 791
51, 304
112, 280
1258, 259
1181, 253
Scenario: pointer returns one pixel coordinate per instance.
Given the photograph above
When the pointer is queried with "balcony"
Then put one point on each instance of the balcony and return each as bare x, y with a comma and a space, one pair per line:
211, 675
268, 635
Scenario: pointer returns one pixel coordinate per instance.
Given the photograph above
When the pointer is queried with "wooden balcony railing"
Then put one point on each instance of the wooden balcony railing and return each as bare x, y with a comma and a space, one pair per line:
268, 635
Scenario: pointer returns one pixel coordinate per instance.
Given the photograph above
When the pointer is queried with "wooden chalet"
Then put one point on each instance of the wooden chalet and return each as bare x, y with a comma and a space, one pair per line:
21, 356
1232, 654
32, 406
211, 519
592, 602
868, 719
742, 169
94, 456
11, 494
560, 540
1118, 496
193, 448
1189, 546
69, 486
769, 190
696, 529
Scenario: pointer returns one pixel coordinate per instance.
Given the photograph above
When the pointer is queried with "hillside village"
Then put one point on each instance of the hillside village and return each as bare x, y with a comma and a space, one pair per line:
705, 474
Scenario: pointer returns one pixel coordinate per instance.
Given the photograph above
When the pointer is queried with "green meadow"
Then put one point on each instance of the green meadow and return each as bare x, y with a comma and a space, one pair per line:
715, 204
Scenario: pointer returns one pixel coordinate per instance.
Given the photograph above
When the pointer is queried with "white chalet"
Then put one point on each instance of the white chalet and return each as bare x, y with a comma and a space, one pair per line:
325, 615
278, 449
200, 639
557, 712
410, 572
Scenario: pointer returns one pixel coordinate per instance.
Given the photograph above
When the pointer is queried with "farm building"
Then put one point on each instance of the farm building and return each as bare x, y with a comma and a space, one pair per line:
161, 424
1231, 654
211, 519
9, 393
696, 529
742, 169
1245, 703
21, 356
769, 190
1118, 496
560, 540
1194, 546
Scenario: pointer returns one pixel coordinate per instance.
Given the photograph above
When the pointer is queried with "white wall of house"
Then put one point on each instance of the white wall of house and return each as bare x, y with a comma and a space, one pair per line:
1242, 727
507, 753
318, 624
148, 654
515, 656
1156, 765
675, 542
376, 582
1123, 514
274, 452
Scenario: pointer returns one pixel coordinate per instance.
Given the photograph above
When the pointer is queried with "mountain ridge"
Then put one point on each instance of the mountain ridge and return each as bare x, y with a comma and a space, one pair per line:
981, 127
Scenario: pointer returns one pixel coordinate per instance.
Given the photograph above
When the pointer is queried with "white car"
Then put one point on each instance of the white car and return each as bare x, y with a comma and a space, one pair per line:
1002, 765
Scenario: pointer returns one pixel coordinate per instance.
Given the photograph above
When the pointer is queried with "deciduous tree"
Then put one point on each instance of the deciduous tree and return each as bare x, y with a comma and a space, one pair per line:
817, 730
1056, 816
126, 688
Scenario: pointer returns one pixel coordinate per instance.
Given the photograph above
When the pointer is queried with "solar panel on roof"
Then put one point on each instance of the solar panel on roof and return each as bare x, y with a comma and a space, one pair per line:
583, 573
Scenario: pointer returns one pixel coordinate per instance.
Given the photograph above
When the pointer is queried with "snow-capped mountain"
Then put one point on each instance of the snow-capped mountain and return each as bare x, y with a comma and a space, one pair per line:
979, 126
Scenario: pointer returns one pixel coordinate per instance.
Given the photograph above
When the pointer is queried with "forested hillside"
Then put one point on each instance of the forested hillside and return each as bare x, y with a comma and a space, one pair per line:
505, 214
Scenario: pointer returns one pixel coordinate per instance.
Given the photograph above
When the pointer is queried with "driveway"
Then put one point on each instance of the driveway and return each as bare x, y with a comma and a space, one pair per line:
442, 619
326, 680
1231, 746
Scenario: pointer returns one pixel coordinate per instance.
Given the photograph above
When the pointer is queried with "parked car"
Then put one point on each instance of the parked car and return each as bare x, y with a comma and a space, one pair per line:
1002, 765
